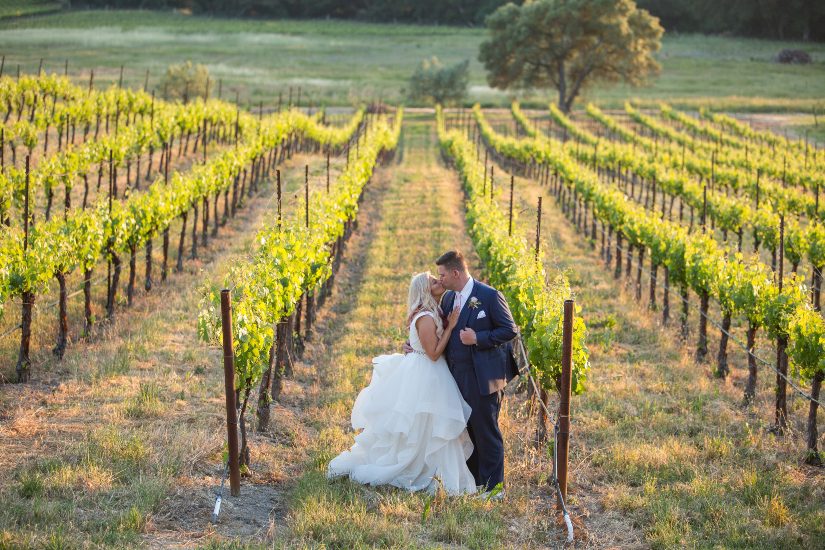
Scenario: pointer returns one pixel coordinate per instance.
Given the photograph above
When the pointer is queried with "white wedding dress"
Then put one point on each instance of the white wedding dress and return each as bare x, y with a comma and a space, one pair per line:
413, 421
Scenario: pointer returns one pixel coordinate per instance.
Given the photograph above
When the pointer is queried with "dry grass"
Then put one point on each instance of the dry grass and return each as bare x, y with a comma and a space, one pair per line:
411, 213
121, 444
664, 454
99, 445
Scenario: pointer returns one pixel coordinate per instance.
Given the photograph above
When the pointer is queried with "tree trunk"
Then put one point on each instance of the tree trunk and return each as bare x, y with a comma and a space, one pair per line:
85, 191
244, 456
67, 200
702, 346
110, 300
49, 199
130, 287
226, 207
179, 266
750, 386
684, 329
87, 302
281, 359
215, 223
813, 457
289, 346
299, 340
654, 268
194, 253
147, 284
264, 396
639, 266
62, 316
543, 421
24, 363
235, 194
722, 369
781, 408
310, 314
165, 255
205, 222
628, 265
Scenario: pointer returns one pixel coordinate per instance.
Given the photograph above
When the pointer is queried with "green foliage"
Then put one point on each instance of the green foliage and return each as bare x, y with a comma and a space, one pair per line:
781, 307
739, 286
807, 343
291, 258
184, 81
570, 45
84, 237
537, 305
433, 83
797, 19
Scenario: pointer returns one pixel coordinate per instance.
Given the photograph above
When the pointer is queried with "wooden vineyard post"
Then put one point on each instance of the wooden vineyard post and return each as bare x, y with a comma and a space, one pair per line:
306, 192
203, 141
229, 385
563, 442
781, 345
23, 367
510, 228
704, 207
485, 169
538, 230
327, 170
278, 186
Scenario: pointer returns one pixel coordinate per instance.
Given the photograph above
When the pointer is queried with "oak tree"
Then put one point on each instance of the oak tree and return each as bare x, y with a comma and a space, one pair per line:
569, 45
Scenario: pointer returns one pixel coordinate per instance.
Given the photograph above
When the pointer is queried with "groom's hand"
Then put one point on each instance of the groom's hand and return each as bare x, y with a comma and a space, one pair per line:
468, 337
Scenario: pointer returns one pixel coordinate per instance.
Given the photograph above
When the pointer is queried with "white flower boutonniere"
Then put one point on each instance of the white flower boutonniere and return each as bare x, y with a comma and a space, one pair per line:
474, 302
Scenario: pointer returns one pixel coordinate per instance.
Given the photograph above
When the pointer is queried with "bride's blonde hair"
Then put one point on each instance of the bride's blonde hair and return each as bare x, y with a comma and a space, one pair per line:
421, 299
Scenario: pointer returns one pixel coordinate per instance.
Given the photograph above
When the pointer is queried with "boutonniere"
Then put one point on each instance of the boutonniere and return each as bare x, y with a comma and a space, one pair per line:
474, 302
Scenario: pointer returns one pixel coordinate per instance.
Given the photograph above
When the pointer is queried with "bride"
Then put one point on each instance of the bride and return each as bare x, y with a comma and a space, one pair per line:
412, 416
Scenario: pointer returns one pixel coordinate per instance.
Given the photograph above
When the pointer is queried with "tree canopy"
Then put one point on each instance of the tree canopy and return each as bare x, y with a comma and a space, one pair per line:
569, 45
432, 82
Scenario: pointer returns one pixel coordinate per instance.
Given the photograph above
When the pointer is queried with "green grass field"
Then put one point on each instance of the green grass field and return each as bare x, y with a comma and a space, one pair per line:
343, 62
21, 8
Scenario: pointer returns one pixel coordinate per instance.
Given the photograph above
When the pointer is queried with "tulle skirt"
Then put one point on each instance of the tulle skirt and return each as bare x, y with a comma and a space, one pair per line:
413, 421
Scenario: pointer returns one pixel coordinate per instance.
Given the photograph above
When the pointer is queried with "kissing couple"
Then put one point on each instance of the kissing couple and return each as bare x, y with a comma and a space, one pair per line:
429, 416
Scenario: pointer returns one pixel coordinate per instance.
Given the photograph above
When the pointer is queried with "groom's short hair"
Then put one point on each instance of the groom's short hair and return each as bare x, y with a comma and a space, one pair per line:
452, 260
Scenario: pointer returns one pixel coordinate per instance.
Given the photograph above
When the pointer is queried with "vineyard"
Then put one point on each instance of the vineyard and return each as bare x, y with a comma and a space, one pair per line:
191, 293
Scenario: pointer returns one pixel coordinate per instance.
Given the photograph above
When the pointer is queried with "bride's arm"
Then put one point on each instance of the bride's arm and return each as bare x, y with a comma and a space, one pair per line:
432, 344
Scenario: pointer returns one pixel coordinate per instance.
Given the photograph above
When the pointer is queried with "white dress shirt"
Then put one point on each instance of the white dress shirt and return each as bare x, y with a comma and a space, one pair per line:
464, 295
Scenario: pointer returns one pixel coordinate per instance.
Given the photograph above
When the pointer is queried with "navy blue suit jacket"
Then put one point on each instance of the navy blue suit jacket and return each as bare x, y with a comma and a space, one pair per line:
492, 357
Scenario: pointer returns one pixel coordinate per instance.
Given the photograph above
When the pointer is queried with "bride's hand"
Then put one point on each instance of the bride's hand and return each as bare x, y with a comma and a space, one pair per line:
452, 318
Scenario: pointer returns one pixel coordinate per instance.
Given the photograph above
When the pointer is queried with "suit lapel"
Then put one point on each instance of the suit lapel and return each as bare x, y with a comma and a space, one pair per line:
464, 317
447, 302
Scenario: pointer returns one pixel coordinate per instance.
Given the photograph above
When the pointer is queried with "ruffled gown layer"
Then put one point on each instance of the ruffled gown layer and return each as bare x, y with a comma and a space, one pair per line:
413, 421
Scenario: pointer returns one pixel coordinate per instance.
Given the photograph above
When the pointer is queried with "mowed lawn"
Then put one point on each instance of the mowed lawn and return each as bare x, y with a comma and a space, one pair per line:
341, 62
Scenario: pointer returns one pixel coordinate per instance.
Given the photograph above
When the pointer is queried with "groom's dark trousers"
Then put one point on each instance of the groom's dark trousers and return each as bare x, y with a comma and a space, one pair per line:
481, 372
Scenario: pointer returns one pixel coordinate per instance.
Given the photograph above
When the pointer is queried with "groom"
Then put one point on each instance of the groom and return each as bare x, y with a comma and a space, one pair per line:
480, 357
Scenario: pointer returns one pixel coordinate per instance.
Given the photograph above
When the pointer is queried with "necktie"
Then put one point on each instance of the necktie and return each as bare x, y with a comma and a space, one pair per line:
457, 304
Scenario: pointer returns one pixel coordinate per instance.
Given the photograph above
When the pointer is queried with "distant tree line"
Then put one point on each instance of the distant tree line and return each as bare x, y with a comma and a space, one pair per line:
779, 19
